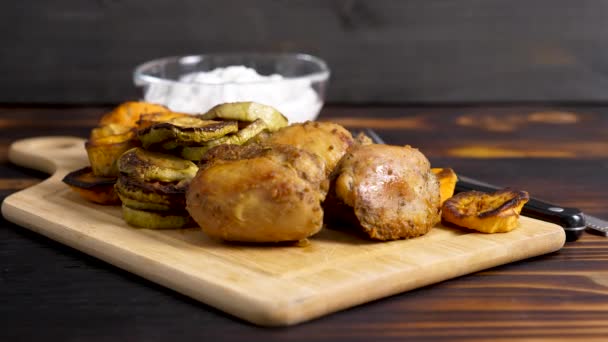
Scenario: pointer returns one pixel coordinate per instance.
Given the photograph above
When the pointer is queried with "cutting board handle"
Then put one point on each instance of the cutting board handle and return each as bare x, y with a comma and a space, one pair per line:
48, 154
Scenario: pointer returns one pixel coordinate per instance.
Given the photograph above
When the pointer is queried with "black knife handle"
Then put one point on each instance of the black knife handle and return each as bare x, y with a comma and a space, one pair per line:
571, 219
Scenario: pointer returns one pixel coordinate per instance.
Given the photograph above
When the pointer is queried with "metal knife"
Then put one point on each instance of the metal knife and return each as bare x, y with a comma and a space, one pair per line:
572, 220
596, 225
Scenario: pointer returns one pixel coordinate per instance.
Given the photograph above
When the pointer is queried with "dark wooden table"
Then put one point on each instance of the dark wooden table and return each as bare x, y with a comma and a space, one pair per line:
558, 153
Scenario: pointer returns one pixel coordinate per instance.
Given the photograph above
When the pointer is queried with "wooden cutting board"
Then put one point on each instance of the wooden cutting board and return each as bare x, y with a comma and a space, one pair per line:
267, 285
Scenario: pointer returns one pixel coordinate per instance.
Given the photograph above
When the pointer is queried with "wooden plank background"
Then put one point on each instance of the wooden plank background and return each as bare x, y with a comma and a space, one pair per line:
384, 51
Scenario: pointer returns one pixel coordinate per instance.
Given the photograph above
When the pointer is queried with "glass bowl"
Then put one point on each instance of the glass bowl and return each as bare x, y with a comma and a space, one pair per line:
294, 84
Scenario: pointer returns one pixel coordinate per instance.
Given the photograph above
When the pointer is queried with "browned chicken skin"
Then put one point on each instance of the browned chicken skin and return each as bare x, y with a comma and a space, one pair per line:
327, 139
272, 191
259, 193
392, 190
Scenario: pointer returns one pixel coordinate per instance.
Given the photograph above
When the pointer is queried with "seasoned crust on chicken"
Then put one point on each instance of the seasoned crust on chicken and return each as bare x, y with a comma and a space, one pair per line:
327, 139
392, 190
258, 193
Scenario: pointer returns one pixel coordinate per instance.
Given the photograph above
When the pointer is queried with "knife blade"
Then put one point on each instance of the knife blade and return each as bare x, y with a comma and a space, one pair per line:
596, 225
571, 219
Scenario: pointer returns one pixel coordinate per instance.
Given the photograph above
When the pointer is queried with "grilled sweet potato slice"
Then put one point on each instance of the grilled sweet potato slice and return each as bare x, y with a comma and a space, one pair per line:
447, 182
106, 144
128, 113
91, 187
496, 212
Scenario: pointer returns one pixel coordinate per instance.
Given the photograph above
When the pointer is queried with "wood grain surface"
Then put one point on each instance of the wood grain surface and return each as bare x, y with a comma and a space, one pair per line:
382, 51
52, 291
269, 286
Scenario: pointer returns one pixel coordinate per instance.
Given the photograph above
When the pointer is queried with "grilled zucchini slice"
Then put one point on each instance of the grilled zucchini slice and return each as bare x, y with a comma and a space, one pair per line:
156, 219
196, 153
247, 111
166, 194
135, 204
149, 119
185, 131
152, 166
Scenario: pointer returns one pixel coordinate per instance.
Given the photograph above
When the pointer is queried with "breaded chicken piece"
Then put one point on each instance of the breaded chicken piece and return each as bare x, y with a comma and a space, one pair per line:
258, 193
391, 189
328, 140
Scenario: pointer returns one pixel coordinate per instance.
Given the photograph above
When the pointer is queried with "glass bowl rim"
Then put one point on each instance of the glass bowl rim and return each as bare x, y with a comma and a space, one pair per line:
141, 77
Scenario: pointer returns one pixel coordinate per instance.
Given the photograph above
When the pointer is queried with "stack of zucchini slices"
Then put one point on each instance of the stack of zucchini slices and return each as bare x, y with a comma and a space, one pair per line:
152, 187
115, 134
154, 177
191, 137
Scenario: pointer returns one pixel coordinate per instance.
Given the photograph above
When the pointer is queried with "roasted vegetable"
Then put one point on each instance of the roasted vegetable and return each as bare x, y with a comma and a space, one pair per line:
496, 212
152, 187
153, 204
135, 204
196, 152
447, 182
106, 145
110, 130
156, 219
185, 131
165, 195
248, 111
147, 120
128, 113
151, 166
91, 187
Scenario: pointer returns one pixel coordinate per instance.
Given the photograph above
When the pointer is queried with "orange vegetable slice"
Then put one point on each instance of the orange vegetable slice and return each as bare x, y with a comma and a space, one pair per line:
128, 113
91, 187
447, 182
105, 146
496, 212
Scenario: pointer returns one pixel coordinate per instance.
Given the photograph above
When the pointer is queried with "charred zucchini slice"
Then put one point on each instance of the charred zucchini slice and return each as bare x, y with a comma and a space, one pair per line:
149, 119
152, 166
197, 152
135, 204
166, 194
247, 111
156, 219
91, 187
186, 131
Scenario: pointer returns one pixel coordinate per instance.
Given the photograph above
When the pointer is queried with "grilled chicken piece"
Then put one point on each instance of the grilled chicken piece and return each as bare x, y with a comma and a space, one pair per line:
258, 193
391, 189
328, 140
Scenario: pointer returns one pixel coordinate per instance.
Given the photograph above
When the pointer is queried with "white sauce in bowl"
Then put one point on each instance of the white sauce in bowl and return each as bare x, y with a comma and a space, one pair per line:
200, 91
